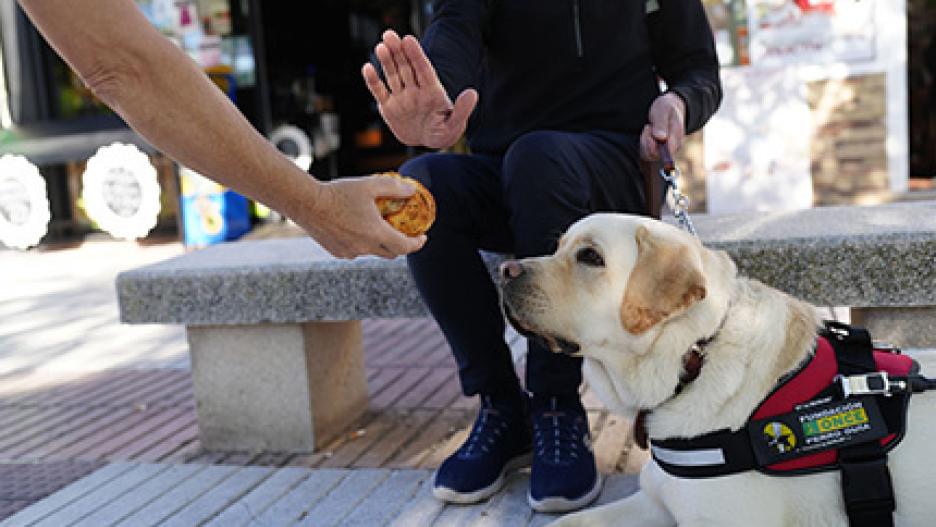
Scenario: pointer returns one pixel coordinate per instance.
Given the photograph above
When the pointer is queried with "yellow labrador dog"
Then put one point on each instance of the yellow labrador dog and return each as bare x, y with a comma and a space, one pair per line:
632, 295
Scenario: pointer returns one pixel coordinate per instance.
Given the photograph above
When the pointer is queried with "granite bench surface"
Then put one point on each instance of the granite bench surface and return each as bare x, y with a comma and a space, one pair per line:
877, 256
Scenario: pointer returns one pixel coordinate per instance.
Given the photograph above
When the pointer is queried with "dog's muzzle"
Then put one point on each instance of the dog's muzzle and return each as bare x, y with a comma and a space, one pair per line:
512, 276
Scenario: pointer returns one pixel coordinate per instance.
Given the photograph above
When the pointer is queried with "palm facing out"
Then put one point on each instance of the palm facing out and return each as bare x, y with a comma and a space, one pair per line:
413, 102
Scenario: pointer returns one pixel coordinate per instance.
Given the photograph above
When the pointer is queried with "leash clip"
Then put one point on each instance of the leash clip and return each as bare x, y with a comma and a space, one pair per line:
680, 202
875, 383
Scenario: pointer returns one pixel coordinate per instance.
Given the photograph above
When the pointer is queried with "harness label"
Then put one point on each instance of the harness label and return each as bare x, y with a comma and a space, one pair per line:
814, 428
850, 419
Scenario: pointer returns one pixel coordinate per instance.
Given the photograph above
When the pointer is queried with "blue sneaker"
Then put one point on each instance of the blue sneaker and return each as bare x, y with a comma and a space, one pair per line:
499, 444
564, 475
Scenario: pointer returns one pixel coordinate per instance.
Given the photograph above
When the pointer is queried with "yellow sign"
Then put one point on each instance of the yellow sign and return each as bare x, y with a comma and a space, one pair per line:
834, 422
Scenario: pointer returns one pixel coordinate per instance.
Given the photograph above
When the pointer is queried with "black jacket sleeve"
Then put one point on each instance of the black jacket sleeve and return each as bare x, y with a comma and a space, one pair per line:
454, 42
684, 54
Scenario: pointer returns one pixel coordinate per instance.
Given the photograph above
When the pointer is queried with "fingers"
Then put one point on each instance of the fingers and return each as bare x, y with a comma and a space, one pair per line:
648, 145
404, 68
390, 70
393, 243
422, 68
389, 187
464, 105
374, 85
457, 119
659, 122
675, 132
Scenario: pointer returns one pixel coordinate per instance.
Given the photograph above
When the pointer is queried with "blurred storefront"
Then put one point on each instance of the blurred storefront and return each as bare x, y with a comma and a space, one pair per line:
826, 101
292, 68
817, 109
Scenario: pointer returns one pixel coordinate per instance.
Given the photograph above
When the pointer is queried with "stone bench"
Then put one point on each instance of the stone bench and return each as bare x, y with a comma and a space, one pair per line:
274, 331
879, 260
275, 335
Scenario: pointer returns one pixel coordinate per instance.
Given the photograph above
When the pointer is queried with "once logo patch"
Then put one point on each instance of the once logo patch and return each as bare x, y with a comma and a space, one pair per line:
813, 428
842, 420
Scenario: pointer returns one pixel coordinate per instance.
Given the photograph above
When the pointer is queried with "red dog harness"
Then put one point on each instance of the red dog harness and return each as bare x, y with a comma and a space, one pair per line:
843, 409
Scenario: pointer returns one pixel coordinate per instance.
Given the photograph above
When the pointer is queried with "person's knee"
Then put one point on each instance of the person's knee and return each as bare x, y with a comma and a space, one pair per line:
539, 164
447, 176
437, 172
535, 160
421, 168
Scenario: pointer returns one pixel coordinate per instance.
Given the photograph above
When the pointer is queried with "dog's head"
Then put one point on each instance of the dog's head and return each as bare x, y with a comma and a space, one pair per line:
614, 283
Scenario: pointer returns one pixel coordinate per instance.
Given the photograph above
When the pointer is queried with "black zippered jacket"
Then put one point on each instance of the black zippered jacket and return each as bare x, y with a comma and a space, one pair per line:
572, 65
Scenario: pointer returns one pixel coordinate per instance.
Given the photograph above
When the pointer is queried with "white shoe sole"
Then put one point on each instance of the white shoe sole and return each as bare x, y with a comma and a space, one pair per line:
560, 504
453, 496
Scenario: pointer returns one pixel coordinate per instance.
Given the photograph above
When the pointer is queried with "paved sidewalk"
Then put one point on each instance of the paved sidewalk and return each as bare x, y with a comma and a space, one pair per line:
58, 310
136, 495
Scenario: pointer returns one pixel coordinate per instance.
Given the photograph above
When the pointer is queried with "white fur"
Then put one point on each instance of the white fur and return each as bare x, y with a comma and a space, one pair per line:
629, 372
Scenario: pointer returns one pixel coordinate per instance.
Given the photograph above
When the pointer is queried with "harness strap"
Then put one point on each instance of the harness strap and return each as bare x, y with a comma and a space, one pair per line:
718, 453
866, 486
866, 481
854, 350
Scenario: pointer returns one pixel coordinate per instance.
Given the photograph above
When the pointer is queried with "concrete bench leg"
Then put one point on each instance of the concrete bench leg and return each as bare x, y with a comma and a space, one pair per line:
282, 388
904, 327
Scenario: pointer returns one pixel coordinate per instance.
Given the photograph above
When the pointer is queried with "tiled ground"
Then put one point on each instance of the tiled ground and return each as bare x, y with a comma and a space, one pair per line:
136, 495
58, 311
417, 415
23, 484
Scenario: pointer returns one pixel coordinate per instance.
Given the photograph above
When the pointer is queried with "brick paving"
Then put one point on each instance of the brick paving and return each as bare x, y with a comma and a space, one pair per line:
25, 483
417, 417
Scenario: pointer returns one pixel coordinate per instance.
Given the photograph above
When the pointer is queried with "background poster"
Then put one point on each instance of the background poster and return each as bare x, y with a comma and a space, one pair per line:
757, 147
814, 31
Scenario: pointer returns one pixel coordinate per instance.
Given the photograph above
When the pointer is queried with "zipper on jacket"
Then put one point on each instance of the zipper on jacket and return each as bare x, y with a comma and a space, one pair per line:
579, 48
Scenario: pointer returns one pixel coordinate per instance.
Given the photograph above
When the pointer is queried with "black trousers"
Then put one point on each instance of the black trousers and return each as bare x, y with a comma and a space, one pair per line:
518, 203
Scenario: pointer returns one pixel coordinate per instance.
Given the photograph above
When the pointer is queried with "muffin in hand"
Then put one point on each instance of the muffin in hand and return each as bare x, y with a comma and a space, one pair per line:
411, 216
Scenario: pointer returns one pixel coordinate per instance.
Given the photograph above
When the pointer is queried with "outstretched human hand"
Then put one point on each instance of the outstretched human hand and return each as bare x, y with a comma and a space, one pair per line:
667, 125
345, 220
413, 102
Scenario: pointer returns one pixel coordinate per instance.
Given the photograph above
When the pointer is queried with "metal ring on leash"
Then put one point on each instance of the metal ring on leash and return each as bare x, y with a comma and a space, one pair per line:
680, 204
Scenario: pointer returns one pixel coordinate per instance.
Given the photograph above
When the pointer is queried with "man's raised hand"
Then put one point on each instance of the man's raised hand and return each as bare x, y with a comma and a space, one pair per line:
411, 99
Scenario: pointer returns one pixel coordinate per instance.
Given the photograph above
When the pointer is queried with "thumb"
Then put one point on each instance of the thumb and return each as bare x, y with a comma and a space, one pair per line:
659, 132
464, 105
390, 187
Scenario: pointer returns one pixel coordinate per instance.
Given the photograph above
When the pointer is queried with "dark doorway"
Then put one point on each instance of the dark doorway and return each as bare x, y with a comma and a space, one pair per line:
921, 17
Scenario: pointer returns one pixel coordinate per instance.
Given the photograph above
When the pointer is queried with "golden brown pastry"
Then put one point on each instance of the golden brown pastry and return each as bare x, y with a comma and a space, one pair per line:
411, 216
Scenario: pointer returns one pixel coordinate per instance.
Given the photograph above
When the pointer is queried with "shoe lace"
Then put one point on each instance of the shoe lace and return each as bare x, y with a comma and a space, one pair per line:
559, 437
489, 427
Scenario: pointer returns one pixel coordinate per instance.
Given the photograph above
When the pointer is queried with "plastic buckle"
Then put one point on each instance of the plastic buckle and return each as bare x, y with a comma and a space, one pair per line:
876, 383
887, 346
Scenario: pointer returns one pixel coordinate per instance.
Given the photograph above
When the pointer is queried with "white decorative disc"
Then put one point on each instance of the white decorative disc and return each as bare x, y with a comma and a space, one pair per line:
121, 191
24, 206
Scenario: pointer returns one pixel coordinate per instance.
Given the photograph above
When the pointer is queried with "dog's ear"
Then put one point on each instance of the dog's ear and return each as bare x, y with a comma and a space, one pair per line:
665, 280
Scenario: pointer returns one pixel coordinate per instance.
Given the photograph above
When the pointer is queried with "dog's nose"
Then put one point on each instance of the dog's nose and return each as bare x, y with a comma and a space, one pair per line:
511, 269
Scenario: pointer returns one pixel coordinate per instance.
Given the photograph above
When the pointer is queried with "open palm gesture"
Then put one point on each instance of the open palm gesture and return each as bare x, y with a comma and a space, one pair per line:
412, 101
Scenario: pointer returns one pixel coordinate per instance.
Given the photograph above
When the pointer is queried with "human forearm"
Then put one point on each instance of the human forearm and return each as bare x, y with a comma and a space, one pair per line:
164, 96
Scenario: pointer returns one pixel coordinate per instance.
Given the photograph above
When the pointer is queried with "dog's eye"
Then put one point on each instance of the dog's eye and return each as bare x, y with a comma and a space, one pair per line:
590, 257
